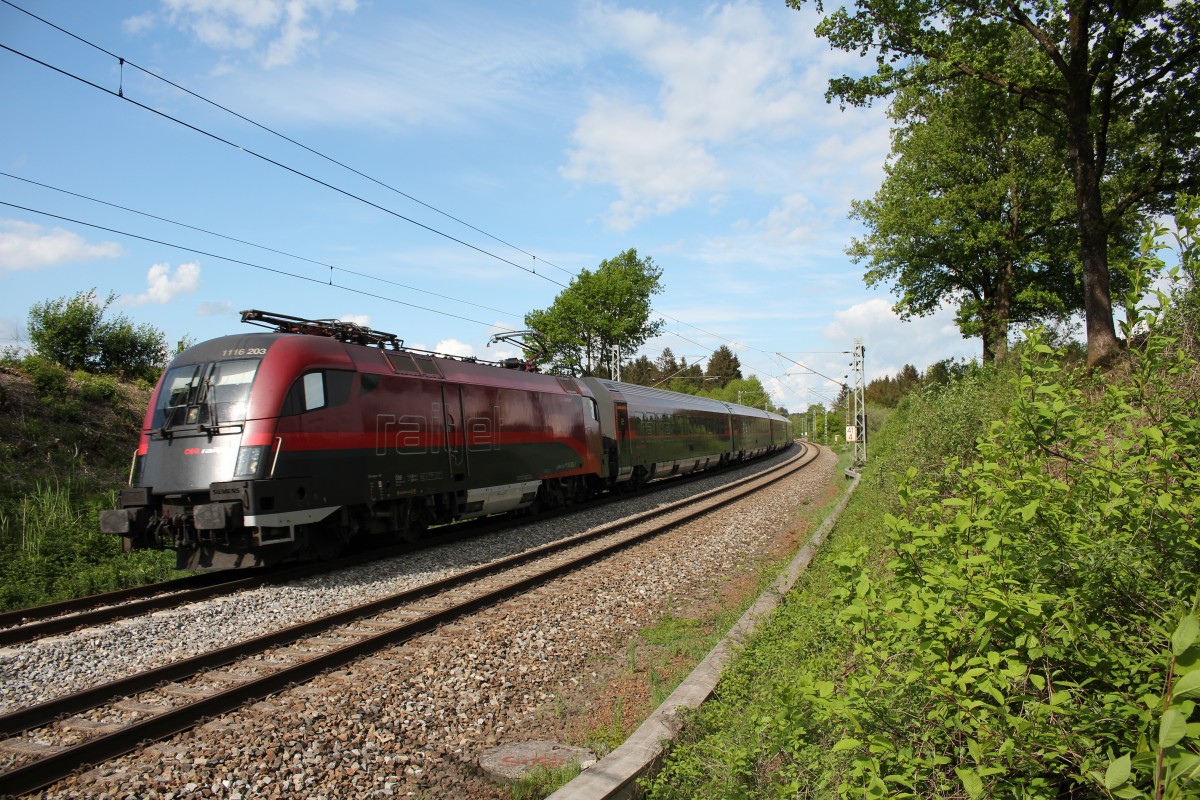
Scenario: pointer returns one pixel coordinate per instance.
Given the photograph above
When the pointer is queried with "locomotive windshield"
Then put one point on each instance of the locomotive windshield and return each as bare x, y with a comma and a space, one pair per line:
205, 395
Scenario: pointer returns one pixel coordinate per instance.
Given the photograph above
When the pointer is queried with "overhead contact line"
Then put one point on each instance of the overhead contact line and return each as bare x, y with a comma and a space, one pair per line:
245, 263
279, 164
331, 267
123, 62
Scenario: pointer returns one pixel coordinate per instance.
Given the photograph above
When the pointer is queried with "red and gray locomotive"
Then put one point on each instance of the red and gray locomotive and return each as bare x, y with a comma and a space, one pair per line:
264, 447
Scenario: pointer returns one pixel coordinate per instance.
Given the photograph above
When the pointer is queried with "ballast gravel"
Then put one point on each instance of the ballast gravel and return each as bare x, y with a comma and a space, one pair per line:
409, 721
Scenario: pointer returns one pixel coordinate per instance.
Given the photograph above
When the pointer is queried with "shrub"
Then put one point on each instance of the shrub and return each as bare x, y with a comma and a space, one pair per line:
73, 333
1022, 643
1034, 631
97, 389
49, 378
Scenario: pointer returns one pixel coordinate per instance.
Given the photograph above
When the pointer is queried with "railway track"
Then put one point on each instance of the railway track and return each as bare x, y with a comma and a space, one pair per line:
27, 624
45, 742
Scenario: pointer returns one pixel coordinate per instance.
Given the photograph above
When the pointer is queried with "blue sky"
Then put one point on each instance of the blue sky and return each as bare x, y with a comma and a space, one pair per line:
561, 133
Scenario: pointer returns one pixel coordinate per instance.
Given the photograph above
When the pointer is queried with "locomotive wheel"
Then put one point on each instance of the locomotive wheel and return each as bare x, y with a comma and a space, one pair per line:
641, 476
411, 526
325, 542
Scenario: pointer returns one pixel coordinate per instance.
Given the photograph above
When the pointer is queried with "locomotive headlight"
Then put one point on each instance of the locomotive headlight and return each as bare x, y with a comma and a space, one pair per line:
250, 461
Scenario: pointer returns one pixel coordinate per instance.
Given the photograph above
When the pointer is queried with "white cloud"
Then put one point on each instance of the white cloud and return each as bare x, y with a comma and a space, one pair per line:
358, 319
139, 24
738, 94
891, 342
454, 347
219, 308
451, 72
163, 287
654, 164
28, 246
276, 30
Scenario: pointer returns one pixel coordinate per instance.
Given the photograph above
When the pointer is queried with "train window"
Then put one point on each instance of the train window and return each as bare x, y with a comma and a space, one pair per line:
593, 409
314, 391
402, 362
306, 394
179, 389
229, 384
428, 367
205, 394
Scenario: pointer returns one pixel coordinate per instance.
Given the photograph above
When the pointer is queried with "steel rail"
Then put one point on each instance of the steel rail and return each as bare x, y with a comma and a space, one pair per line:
50, 768
27, 624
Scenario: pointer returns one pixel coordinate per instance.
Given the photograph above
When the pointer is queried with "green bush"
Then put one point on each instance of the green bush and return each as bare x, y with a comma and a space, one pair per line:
50, 550
49, 378
1028, 629
97, 388
1021, 642
73, 333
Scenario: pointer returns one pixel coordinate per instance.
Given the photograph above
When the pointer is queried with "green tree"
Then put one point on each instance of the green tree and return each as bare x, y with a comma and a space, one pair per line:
724, 366
946, 371
1115, 81
600, 314
72, 332
974, 211
666, 365
888, 391
746, 391
640, 371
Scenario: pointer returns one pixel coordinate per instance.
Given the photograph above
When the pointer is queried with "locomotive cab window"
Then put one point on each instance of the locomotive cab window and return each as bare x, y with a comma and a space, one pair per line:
205, 394
315, 390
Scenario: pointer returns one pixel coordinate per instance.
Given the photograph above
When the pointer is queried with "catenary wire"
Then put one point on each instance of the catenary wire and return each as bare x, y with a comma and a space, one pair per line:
259, 246
244, 263
198, 96
184, 89
302, 174
273, 162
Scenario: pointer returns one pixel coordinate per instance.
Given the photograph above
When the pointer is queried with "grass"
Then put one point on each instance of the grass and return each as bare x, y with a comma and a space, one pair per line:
657, 659
726, 750
540, 782
65, 444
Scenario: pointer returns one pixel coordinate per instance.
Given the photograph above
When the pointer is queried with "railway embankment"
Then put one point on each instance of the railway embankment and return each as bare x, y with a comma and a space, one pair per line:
582, 658
66, 439
1006, 608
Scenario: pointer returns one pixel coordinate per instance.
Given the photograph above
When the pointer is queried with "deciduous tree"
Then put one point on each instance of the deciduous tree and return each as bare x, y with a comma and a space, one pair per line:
600, 312
73, 332
974, 212
1118, 81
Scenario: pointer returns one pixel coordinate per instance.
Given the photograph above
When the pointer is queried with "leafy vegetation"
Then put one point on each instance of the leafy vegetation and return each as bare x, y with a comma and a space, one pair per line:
1022, 622
66, 437
1112, 85
599, 315
975, 210
73, 333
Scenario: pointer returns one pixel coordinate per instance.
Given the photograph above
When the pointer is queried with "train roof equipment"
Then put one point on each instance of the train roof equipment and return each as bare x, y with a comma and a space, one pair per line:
348, 332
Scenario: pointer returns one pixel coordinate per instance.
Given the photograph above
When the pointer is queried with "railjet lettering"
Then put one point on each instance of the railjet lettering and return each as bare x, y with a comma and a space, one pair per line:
415, 434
